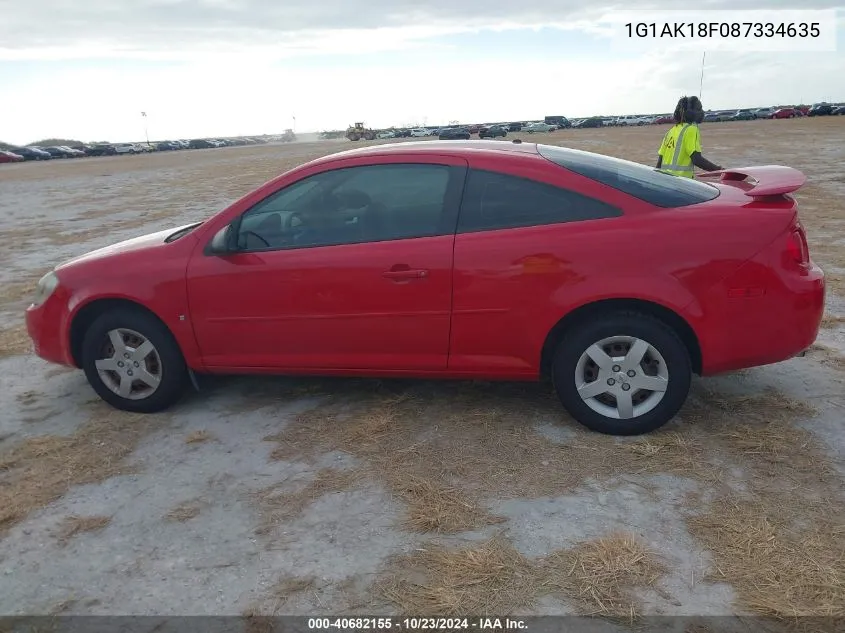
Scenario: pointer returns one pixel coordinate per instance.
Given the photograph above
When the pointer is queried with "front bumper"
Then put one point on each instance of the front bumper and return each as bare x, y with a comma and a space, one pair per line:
47, 325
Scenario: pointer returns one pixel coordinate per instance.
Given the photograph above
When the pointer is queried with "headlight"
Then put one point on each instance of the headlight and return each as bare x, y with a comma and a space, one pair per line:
46, 285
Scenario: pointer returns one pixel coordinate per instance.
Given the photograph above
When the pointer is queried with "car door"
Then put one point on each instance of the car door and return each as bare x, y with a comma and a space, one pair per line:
521, 243
346, 269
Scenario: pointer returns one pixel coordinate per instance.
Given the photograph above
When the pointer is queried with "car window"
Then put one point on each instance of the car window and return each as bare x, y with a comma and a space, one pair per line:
646, 183
348, 206
499, 201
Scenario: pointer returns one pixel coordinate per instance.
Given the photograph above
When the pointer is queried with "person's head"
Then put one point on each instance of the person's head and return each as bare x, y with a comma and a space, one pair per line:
689, 110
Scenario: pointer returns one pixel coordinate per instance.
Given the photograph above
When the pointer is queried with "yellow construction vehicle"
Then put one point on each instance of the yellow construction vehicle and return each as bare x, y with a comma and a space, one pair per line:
288, 136
358, 132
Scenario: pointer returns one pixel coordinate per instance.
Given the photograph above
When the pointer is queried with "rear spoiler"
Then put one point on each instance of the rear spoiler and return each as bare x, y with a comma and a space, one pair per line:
768, 180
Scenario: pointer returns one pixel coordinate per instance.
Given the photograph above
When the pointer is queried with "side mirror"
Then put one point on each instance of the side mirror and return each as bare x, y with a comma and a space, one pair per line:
221, 243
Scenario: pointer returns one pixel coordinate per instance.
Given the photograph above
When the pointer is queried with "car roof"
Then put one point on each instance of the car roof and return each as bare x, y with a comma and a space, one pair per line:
456, 148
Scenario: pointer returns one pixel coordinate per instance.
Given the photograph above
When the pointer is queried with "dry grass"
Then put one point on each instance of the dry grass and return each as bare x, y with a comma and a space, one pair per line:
184, 511
490, 578
779, 568
278, 505
828, 356
259, 616
600, 576
16, 293
198, 437
14, 341
40, 470
832, 321
444, 449
73, 525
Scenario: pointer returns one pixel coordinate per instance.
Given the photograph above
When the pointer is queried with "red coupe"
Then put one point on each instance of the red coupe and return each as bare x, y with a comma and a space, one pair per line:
786, 113
10, 157
456, 259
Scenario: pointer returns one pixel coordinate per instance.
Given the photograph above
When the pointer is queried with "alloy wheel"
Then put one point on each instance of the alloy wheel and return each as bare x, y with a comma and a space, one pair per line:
621, 377
130, 365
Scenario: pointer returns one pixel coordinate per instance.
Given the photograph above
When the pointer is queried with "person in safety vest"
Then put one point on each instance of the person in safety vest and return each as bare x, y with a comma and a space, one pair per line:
680, 151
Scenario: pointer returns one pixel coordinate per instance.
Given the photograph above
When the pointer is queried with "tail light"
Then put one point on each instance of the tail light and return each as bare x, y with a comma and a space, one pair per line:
797, 248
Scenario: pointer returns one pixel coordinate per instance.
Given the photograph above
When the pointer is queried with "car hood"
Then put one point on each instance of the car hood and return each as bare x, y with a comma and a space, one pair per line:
141, 243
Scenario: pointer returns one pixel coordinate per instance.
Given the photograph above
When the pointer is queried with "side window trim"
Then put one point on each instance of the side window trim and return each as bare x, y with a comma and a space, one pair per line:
613, 210
447, 224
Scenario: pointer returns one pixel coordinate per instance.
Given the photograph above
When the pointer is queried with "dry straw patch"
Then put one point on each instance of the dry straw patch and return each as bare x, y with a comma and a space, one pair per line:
278, 505
832, 321
73, 525
446, 449
601, 576
598, 577
184, 511
17, 292
484, 579
198, 437
14, 341
40, 470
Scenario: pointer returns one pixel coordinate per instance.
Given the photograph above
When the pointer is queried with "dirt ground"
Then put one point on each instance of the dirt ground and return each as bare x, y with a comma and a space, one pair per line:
283, 496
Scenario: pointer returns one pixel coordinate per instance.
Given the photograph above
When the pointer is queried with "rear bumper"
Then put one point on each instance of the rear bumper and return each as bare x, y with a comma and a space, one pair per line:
780, 324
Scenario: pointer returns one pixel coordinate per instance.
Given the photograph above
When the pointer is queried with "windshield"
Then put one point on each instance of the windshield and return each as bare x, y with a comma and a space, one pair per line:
646, 183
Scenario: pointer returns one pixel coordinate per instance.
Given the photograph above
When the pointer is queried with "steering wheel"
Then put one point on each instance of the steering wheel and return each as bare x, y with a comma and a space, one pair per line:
256, 235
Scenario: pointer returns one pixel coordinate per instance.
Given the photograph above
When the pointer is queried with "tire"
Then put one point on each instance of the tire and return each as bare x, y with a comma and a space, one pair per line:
666, 359
164, 361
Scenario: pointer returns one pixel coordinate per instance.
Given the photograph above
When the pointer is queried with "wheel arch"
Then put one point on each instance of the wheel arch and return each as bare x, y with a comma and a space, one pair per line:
88, 313
596, 309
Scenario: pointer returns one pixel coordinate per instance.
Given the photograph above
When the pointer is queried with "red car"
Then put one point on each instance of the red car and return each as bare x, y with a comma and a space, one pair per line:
786, 113
10, 157
455, 259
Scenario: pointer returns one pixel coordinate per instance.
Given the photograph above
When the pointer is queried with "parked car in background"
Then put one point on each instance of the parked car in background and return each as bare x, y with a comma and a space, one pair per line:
102, 149
561, 122
532, 128
419, 133
423, 260
57, 151
10, 157
764, 113
838, 110
493, 131
742, 115
31, 153
803, 109
168, 146
515, 126
454, 133
786, 113
820, 109
629, 120
199, 143
664, 119
126, 148
592, 122
385, 134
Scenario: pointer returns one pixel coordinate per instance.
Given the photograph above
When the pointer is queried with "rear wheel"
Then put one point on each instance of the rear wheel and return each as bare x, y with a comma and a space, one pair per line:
133, 362
623, 374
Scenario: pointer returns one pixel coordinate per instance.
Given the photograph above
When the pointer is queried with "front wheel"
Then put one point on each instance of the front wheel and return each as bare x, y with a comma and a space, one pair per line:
623, 374
133, 362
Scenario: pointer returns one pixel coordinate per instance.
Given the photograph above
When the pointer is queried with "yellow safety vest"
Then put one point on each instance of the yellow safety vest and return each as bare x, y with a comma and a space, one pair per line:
675, 154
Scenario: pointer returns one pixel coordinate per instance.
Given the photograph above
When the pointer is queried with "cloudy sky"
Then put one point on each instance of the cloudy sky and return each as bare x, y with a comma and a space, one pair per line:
86, 69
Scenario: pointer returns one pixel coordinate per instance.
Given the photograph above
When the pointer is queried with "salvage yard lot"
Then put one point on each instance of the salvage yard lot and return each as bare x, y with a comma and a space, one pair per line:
308, 496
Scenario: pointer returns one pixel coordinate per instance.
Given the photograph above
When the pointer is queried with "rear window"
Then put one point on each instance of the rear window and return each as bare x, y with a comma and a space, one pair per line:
646, 183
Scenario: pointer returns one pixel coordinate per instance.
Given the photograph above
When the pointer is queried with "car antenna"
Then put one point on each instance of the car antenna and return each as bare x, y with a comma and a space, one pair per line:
517, 140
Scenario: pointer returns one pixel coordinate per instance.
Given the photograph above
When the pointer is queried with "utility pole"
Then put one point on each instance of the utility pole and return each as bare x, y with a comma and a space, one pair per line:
701, 83
146, 129
294, 125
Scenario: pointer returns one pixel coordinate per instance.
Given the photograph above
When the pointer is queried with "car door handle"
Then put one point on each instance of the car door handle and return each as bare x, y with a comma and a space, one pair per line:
405, 273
